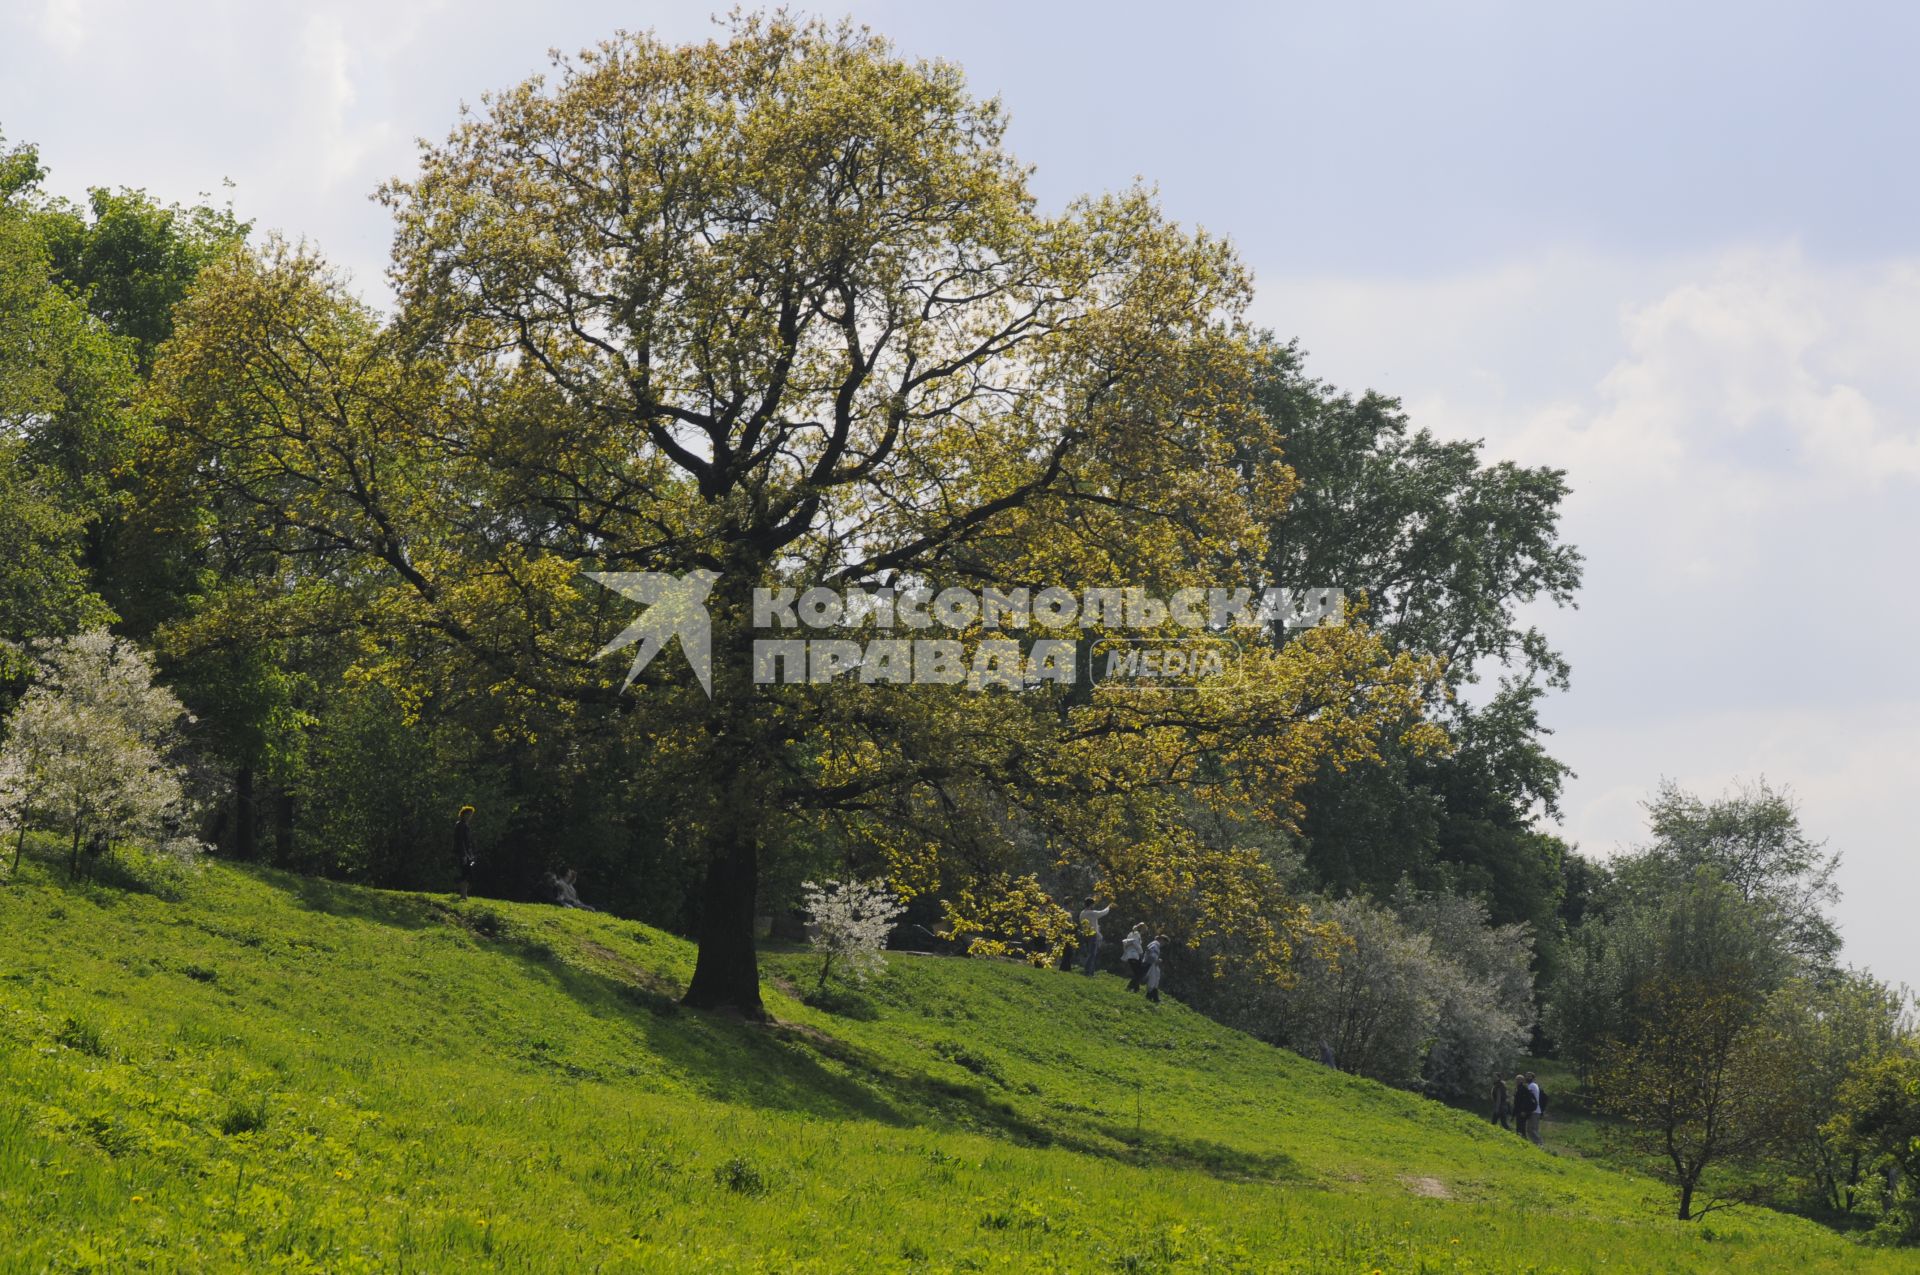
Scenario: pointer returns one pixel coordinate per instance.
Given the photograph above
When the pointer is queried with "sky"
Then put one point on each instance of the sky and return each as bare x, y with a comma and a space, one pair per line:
1672, 250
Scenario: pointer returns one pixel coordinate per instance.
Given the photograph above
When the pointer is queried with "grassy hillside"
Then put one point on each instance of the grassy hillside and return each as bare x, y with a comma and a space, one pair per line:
267, 1072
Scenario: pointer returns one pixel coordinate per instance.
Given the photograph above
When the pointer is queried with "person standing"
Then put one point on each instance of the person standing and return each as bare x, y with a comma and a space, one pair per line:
1539, 1109
1133, 950
1522, 1104
463, 852
1502, 1109
1155, 951
1090, 917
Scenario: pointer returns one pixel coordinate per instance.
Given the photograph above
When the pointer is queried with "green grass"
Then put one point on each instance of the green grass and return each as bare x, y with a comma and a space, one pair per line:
267, 1072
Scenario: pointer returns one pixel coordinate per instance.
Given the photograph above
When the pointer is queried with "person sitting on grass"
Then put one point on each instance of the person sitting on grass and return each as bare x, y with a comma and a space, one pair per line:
568, 892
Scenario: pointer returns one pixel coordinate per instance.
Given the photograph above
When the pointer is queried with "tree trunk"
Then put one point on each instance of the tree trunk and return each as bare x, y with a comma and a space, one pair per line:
73, 860
283, 827
245, 838
1686, 1201
726, 973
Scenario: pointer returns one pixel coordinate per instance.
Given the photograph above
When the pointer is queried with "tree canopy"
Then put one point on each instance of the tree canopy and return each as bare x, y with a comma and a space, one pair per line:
779, 308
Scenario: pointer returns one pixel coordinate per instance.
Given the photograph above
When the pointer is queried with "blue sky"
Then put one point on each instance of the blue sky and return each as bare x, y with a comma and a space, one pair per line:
1672, 249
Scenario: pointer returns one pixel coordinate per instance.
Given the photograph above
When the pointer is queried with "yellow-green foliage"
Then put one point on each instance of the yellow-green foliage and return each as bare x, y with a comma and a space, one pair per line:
267, 1072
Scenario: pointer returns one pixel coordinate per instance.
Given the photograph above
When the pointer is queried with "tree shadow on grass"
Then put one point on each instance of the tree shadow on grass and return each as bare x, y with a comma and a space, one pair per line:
777, 1066
802, 1069
358, 902
105, 878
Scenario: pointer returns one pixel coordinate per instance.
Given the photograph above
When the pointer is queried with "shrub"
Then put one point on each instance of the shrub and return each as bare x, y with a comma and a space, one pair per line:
244, 1116
849, 924
91, 751
741, 1177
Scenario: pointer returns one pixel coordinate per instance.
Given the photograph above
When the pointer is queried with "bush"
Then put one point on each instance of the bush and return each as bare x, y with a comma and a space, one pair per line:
849, 925
1425, 994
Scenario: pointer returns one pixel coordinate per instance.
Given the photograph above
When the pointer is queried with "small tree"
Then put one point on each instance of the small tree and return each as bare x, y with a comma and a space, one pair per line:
1879, 1120
16, 791
89, 752
850, 924
1375, 1003
1692, 1067
1485, 993
1831, 1029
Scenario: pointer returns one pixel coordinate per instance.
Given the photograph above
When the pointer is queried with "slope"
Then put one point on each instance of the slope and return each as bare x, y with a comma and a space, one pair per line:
256, 1071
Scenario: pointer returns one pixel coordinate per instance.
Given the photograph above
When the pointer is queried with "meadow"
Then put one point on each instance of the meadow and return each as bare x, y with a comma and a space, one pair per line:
243, 1069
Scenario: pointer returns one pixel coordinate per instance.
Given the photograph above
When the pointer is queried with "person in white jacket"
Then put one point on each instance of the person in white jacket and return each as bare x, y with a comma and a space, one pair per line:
1133, 950
1090, 932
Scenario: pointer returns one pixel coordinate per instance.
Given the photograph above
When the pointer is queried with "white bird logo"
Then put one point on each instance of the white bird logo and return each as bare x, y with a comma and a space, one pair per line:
676, 606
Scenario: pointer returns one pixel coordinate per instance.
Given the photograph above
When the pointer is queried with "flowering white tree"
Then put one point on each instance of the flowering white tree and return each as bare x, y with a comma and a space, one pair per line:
89, 751
850, 921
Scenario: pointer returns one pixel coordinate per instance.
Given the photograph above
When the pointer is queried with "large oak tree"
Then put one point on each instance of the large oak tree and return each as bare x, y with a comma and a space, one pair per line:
780, 307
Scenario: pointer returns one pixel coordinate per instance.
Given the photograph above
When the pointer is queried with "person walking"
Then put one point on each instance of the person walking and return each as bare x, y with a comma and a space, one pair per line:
463, 852
1502, 1109
1539, 1109
1522, 1104
1156, 950
1090, 917
1133, 950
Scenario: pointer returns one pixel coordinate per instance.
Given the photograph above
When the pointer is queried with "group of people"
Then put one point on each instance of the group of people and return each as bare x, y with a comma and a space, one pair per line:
1522, 1112
563, 889
1142, 951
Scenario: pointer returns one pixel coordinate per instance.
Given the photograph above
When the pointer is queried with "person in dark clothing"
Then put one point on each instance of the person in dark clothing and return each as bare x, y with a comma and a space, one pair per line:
1502, 1109
1523, 1105
463, 851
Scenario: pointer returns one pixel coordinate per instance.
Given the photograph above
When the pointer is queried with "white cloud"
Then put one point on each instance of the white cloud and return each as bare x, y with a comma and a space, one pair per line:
64, 25
333, 147
1742, 435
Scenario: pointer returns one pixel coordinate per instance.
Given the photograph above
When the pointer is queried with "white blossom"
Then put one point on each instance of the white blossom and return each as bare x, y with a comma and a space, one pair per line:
850, 921
89, 750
